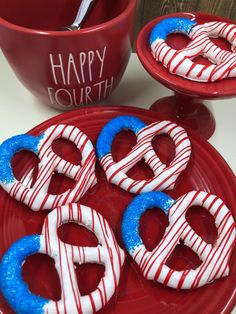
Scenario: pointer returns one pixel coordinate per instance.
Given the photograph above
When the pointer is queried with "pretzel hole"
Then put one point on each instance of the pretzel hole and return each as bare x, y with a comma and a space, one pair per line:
23, 163
88, 276
67, 150
177, 41
153, 224
123, 144
140, 171
222, 43
164, 147
183, 258
40, 274
60, 183
75, 234
203, 223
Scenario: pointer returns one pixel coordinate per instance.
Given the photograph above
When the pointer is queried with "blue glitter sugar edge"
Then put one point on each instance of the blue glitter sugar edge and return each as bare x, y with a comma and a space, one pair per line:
14, 289
131, 219
112, 128
169, 26
10, 147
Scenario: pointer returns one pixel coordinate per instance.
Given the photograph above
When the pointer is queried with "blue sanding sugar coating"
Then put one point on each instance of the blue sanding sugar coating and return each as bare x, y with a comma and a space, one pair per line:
133, 213
10, 147
171, 25
12, 285
112, 128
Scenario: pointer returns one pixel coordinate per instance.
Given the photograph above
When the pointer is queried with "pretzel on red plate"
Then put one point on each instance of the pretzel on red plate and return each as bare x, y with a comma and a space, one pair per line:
181, 62
215, 257
37, 196
107, 253
164, 176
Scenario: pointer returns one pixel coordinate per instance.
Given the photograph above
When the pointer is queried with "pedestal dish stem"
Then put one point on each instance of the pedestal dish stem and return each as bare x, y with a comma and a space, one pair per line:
188, 111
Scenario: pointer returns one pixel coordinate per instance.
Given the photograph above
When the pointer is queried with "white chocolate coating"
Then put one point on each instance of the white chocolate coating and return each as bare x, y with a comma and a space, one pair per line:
181, 62
164, 176
37, 196
107, 253
214, 257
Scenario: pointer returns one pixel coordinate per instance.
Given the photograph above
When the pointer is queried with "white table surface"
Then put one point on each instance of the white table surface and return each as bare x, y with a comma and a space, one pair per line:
20, 111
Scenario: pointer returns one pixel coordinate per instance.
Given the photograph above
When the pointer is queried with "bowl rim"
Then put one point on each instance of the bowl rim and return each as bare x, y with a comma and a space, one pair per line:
130, 7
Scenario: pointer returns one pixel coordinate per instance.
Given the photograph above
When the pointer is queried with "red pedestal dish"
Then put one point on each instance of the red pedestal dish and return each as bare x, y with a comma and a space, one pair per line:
186, 106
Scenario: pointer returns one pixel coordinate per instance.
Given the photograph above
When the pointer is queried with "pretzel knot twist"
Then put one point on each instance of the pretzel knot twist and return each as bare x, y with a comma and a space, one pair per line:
180, 62
164, 176
214, 257
107, 253
37, 196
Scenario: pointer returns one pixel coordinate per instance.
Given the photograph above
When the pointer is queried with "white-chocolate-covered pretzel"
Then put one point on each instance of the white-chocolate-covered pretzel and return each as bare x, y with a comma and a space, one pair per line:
37, 196
181, 62
215, 257
164, 176
107, 253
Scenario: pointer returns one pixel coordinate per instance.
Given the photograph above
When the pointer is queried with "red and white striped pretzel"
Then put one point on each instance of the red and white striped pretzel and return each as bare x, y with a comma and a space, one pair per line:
164, 176
180, 62
37, 196
214, 257
107, 253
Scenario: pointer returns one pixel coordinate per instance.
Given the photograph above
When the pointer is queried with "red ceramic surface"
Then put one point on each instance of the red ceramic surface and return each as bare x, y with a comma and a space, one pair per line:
65, 69
188, 112
224, 88
135, 295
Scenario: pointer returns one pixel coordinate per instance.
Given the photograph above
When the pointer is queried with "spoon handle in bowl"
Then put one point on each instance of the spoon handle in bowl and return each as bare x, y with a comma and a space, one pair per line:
82, 12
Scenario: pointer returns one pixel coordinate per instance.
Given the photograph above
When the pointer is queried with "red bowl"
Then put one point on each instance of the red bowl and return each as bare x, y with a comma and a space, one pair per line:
219, 89
66, 69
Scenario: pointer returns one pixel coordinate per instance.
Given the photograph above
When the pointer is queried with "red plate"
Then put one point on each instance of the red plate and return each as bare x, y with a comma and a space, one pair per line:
207, 171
